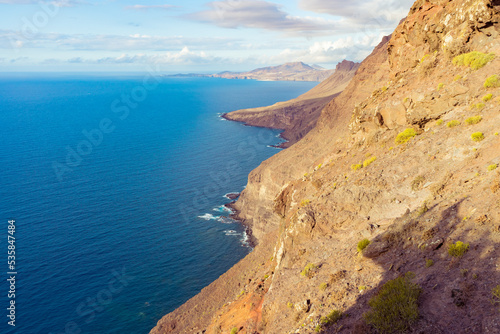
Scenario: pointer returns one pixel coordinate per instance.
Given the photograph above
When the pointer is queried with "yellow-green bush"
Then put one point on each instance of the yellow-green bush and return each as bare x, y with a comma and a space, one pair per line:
363, 244
305, 202
492, 82
439, 122
234, 330
356, 166
474, 59
440, 86
477, 106
453, 123
492, 167
323, 286
369, 161
331, 318
308, 270
429, 263
458, 249
477, 136
457, 77
395, 308
495, 292
473, 120
487, 97
406, 135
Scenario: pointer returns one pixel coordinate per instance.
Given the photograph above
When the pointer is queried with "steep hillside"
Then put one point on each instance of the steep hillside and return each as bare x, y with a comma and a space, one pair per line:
298, 116
406, 157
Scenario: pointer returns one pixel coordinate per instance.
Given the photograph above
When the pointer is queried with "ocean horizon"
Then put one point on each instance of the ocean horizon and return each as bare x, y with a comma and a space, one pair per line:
117, 185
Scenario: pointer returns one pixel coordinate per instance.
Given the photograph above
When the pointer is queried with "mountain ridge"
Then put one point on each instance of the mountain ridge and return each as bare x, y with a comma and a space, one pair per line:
293, 71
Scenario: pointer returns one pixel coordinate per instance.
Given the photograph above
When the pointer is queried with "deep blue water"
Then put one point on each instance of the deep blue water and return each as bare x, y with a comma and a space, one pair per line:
108, 230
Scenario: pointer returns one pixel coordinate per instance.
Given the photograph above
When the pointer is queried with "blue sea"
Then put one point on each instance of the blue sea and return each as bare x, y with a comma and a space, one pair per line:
116, 185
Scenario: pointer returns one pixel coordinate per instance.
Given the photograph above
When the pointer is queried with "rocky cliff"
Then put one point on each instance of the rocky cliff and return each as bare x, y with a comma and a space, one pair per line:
394, 194
298, 116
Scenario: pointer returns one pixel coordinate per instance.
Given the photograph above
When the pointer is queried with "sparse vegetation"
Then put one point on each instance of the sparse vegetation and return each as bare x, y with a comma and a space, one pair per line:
330, 319
395, 307
439, 122
363, 244
308, 270
289, 305
457, 77
424, 58
487, 97
323, 286
453, 123
492, 82
458, 249
473, 120
429, 263
417, 183
440, 86
422, 209
477, 136
305, 202
406, 135
362, 288
475, 59
495, 292
356, 166
477, 106
234, 330
369, 161
492, 167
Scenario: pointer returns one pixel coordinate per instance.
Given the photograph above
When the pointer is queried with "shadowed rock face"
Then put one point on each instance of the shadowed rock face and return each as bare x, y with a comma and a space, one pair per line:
308, 209
298, 116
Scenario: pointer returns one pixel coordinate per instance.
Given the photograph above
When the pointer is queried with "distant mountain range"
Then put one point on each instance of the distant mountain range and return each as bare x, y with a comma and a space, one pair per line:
297, 71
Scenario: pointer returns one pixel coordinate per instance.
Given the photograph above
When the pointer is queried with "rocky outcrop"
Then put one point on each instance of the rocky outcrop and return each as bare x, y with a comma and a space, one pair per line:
352, 177
298, 116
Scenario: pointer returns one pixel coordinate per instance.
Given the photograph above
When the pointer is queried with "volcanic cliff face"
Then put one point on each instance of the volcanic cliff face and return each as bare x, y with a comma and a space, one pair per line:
405, 157
298, 116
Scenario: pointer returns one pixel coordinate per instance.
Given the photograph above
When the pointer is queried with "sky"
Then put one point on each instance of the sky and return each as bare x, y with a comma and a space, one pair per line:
189, 36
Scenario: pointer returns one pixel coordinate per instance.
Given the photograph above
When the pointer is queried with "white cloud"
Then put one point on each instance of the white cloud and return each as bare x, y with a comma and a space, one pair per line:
57, 3
261, 15
12, 39
145, 7
374, 12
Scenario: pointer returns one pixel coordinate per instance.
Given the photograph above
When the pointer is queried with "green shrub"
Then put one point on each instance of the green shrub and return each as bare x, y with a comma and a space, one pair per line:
363, 244
477, 136
234, 330
473, 120
406, 135
492, 82
492, 167
439, 122
474, 59
395, 307
369, 161
440, 86
453, 123
356, 166
429, 263
458, 249
487, 97
308, 270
